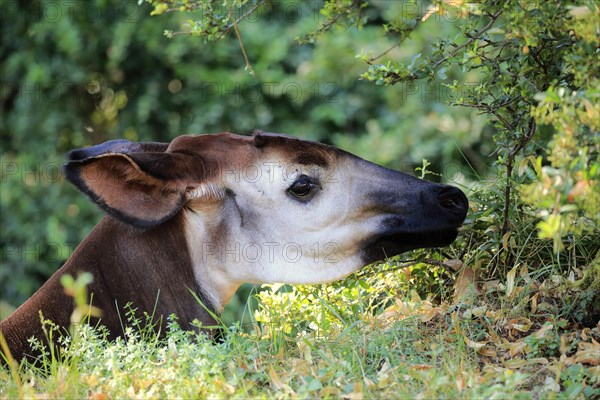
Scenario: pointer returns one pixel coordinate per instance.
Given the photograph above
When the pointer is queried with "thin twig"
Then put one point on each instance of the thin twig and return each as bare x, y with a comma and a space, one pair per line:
417, 23
370, 60
507, 189
241, 18
406, 264
239, 37
490, 110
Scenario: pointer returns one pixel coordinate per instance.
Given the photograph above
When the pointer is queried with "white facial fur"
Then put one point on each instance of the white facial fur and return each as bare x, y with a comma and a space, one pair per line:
253, 230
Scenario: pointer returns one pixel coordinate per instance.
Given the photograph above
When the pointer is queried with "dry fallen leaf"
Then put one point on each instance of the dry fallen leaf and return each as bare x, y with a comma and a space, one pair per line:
276, 381
455, 264
494, 336
514, 363
421, 367
487, 351
585, 332
226, 387
520, 324
414, 296
524, 273
461, 382
305, 350
475, 345
427, 311
510, 281
465, 284
474, 312
542, 331
516, 348
491, 285
539, 360
588, 353
534, 302
385, 376
564, 345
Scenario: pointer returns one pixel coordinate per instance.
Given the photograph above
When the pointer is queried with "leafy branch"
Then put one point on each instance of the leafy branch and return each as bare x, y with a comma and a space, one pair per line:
392, 73
471, 39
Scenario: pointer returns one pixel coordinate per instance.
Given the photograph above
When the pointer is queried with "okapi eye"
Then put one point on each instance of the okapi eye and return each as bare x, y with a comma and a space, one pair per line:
302, 186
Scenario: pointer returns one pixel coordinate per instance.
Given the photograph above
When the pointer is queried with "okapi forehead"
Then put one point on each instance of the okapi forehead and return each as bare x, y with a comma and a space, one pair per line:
297, 151
239, 149
218, 153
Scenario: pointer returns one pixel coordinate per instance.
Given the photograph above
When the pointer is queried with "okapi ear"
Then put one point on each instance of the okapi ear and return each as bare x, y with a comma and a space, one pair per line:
120, 146
141, 189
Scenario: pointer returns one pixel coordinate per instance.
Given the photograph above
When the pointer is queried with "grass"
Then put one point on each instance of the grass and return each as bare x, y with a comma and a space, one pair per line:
362, 338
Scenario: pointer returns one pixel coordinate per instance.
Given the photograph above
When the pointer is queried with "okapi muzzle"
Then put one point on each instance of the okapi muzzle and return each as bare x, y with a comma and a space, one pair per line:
197, 217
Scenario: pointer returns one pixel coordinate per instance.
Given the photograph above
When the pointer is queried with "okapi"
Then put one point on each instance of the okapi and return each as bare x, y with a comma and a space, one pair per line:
197, 217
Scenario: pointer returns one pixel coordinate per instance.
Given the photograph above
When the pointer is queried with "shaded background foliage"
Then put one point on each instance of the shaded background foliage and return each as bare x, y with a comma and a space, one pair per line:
78, 73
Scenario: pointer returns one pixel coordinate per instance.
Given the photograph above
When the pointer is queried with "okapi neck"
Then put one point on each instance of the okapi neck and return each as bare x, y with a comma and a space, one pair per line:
147, 271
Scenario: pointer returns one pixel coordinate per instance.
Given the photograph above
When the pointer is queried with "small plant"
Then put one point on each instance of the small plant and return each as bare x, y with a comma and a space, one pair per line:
77, 289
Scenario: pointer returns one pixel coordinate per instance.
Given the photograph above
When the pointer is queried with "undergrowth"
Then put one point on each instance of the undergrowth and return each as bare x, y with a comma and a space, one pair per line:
368, 336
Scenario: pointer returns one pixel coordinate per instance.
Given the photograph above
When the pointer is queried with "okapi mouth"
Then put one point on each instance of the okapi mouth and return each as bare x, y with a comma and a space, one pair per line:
431, 220
387, 245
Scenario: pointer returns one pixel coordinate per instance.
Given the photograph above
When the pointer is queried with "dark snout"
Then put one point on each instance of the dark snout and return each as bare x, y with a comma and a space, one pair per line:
412, 214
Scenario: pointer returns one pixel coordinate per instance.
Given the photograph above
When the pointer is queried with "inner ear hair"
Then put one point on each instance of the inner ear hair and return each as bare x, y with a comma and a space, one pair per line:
117, 184
204, 191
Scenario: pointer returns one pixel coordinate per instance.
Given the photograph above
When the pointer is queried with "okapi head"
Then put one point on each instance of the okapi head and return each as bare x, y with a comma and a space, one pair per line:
207, 213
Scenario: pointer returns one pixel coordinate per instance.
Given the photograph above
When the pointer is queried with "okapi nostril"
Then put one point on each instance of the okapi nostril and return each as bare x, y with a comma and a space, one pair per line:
448, 202
453, 200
